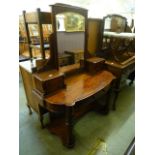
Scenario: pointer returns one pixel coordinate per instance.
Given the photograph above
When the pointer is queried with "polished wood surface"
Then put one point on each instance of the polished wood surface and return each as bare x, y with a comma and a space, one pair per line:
79, 87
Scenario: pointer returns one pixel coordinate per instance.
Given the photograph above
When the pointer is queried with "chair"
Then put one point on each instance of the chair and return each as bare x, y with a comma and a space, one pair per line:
39, 19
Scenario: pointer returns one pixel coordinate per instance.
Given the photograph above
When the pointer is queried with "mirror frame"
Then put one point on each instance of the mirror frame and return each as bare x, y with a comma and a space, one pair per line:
103, 25
59, 8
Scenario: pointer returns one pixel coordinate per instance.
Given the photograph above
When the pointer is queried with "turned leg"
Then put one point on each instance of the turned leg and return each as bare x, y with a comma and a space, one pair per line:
69, 142
30, 111
106, 107
116, 90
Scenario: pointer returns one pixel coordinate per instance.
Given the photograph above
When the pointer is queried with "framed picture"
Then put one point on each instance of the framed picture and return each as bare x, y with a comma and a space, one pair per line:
74, 22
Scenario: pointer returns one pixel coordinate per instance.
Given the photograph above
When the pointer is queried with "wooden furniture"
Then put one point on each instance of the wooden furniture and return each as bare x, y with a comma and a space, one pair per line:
28, 83
121, 71
80, 87
118, 57
65, 59
94, 26
95, 64
76, 55
68, 92
115, 41
38, 18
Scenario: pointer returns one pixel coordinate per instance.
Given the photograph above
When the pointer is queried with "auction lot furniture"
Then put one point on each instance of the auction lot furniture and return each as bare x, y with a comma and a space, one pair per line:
116, 47
67, 92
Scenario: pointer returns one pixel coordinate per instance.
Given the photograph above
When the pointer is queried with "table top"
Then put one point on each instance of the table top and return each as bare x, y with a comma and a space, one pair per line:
80, 86
120, 35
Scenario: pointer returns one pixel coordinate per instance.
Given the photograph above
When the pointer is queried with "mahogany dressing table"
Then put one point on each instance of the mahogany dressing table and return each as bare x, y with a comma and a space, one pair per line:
67, 92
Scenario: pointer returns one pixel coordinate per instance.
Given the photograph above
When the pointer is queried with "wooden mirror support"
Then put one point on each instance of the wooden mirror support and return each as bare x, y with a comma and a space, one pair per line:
61, 8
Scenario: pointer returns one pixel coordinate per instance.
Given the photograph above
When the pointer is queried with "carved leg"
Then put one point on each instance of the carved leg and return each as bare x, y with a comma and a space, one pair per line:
30, 111
116, 91
106, 107
69, 142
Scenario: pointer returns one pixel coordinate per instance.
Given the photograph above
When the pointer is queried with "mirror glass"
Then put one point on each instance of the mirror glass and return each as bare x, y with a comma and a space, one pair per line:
70, 37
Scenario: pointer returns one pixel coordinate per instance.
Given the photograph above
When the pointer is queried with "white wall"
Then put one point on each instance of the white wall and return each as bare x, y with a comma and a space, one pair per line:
97, 8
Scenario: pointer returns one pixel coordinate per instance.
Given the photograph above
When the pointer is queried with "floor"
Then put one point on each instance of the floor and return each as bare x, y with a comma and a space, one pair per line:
117, 129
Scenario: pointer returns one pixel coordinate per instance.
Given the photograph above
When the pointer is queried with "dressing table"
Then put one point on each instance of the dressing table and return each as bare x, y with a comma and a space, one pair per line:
67, 92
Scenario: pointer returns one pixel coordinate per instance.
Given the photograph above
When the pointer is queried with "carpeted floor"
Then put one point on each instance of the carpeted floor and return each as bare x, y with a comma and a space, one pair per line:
117, 129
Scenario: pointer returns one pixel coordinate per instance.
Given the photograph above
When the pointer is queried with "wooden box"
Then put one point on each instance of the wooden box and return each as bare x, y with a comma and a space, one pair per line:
49, 81
94, 64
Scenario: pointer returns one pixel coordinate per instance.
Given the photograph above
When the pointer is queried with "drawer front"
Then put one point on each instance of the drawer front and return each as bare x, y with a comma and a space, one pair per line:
53, 85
